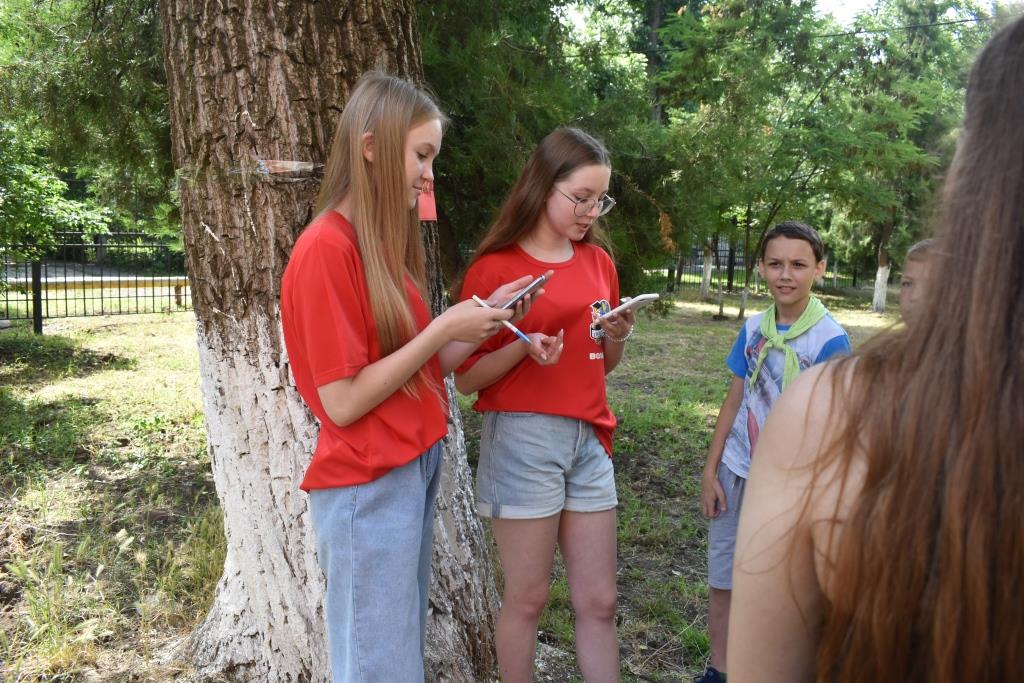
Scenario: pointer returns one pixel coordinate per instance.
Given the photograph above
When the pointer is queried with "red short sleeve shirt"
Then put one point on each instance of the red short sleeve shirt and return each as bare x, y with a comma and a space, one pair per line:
330, 334
575, 386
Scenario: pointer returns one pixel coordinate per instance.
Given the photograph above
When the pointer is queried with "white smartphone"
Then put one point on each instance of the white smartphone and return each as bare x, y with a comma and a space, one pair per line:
636, 302
529, 289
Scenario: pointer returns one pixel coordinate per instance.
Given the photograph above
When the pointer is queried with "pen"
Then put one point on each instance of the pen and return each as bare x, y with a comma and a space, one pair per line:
506, 323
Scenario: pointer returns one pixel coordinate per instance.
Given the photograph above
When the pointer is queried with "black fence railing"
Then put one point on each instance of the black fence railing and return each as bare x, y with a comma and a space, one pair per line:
112, 274
727, 267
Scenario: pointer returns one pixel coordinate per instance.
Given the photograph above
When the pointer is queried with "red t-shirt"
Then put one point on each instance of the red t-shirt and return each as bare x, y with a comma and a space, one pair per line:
574, 386
330, 334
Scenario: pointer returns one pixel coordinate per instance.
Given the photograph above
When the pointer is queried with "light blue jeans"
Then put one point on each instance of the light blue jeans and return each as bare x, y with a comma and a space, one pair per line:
374, 544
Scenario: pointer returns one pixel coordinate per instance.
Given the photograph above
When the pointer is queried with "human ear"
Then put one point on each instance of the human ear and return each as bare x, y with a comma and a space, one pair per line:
366, 142
819, 270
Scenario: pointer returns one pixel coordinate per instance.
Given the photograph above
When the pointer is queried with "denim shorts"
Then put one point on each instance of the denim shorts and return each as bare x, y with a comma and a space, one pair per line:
722, 530
534, 465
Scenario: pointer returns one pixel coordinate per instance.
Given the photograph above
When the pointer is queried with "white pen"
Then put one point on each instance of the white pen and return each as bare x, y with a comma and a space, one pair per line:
506, 323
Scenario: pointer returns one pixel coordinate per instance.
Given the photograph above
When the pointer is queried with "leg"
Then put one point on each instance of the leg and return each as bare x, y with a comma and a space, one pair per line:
588, 542
718, 625
721, 548
369, 540
527, 550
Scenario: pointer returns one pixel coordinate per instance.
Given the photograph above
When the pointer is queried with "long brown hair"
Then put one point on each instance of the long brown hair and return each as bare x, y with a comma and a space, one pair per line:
928, 574
560, 153
387, 229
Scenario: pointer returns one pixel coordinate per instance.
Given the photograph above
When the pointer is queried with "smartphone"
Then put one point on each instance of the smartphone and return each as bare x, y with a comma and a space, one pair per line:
529, 289
636, 302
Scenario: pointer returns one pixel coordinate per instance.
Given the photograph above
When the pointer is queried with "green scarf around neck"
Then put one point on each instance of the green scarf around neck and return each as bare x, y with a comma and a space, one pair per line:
814, 312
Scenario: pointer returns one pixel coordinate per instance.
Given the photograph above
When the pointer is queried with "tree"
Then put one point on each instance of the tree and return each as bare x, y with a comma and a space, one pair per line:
87, 77
905, 99
254, 81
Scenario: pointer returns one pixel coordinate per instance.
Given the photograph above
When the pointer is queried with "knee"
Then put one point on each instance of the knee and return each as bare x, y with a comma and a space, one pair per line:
527, 602
596, 603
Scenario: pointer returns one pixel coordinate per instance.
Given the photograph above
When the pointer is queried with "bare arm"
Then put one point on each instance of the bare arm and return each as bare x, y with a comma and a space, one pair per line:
346, 400
711, 493
490, 368
545, 350
777, 602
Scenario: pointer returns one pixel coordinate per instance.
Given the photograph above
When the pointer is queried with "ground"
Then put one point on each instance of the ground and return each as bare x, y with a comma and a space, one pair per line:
110, 537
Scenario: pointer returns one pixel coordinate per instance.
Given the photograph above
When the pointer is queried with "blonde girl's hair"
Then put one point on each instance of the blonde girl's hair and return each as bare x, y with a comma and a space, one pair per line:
559, 154
388, 231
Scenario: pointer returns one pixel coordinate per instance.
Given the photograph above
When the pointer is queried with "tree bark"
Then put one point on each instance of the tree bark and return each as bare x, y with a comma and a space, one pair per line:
882, 274
252, 81
709, 264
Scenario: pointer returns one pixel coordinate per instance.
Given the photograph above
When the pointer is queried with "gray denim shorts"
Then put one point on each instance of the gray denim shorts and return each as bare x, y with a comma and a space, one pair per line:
722, 530
534, 465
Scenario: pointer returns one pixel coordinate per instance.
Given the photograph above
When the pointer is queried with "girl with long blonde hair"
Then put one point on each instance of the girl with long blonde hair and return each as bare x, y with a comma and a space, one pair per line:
369, 362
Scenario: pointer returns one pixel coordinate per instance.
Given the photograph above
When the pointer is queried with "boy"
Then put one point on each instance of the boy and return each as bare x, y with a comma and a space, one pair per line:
772, 348
915, 272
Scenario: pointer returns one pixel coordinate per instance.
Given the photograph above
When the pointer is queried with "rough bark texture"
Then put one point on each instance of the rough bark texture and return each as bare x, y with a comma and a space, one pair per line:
251, 81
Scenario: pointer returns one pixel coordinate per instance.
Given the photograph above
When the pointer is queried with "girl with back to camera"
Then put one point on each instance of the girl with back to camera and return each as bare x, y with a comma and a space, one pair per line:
369, 362
882, 537
545, 475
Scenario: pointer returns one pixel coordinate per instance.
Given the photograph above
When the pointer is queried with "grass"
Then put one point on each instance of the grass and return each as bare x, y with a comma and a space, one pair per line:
111, 540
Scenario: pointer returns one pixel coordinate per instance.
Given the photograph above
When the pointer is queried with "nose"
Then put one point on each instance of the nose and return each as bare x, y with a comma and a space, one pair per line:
594, 210
428, 171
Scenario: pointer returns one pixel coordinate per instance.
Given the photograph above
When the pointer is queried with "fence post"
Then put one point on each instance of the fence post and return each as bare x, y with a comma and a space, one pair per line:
37, 297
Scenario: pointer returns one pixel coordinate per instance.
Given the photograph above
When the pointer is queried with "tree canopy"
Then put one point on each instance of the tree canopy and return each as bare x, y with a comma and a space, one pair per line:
722, 117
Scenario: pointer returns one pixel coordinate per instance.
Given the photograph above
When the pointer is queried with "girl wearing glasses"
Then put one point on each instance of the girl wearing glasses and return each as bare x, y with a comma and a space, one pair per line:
545, 475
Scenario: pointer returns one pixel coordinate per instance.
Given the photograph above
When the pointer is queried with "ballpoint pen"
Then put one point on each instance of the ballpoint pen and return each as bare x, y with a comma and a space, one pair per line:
506, 323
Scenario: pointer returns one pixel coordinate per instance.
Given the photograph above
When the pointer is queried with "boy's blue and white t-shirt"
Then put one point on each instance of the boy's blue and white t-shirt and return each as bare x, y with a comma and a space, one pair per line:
823, 341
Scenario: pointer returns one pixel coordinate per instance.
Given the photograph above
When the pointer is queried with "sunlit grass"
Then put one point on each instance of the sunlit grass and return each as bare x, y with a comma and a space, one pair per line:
111, 541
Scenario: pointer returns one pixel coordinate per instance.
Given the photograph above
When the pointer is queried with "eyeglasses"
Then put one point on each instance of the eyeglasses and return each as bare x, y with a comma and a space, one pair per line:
585, 206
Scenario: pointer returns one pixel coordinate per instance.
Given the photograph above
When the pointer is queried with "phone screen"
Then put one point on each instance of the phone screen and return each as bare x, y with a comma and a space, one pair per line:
529, 289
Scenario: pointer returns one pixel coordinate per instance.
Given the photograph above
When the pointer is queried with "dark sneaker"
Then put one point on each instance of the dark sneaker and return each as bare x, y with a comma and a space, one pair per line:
711, 675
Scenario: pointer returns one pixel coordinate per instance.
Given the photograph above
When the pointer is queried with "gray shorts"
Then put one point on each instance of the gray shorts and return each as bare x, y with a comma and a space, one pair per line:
722, 530
534, 465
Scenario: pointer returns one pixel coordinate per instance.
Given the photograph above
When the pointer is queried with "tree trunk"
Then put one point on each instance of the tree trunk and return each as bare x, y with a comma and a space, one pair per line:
748, 267
252, 81
882, 275
709, 264
881, 288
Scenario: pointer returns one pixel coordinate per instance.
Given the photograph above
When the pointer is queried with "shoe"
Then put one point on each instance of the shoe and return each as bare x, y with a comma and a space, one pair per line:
711, 675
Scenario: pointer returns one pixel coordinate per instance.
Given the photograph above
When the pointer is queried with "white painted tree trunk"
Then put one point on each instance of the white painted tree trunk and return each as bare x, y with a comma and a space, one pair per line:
743, 304
881, 289
709, 266
250, 81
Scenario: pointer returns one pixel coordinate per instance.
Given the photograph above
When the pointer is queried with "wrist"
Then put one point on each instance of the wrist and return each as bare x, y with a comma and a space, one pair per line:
623, 338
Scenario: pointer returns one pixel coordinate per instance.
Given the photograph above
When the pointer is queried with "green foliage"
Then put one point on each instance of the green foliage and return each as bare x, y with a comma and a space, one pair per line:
87, 76
32, 197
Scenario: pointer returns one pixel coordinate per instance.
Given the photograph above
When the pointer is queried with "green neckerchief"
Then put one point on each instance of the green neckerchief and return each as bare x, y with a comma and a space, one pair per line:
814, 312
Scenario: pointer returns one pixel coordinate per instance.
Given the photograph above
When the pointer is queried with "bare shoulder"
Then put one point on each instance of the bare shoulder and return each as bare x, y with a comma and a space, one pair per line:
799, 443
803, 418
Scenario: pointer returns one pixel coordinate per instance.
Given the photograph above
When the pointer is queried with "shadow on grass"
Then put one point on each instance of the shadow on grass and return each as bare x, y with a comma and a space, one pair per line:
43, 435
27, 359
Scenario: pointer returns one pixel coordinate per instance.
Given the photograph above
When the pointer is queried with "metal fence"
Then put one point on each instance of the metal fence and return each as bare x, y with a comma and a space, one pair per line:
111, 274
728, 270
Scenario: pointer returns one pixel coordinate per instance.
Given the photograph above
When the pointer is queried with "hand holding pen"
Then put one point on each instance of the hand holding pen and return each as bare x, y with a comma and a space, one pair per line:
544, 349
